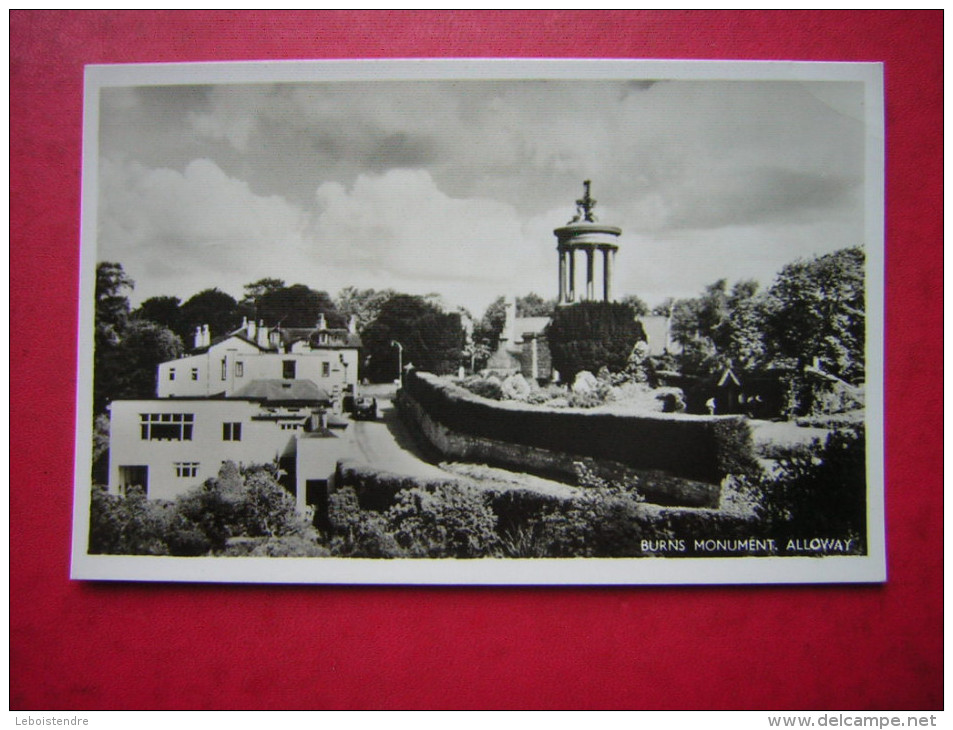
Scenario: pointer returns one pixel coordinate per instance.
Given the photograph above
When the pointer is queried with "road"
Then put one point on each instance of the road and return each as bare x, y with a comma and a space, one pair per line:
388, 445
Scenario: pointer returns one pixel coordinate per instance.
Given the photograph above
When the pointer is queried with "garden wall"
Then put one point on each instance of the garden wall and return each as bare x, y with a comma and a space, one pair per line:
700, 449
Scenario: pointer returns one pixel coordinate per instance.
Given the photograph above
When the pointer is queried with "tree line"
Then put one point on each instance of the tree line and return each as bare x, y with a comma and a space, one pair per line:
131, 342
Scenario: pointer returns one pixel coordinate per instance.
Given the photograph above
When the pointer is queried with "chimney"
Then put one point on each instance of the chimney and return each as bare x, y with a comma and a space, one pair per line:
262, 334
206, 336
197, 338
352, 324
322, 322
250, 330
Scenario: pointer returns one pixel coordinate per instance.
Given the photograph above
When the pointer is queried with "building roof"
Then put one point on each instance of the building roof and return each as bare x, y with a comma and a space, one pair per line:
282, 391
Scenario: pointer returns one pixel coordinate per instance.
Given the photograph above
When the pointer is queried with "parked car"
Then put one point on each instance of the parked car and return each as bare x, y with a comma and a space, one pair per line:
365, 408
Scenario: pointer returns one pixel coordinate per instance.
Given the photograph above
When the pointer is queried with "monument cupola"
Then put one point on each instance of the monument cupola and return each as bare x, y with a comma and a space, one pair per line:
585, 234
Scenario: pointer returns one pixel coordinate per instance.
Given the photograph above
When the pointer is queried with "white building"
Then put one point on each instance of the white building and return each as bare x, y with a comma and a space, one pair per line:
168, 445
257, 395
222, 367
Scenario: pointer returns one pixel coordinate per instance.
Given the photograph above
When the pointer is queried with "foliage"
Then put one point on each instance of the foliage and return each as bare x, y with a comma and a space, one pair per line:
589, 335
484, 387
452, 521
720, 327
296, 306
286, 546
638, 305
100, 467
364, 304
821, 491
356, 532
163, 311
210, 307
130, 525
143, 346
203, 520
432, 339
815, 309
126, 350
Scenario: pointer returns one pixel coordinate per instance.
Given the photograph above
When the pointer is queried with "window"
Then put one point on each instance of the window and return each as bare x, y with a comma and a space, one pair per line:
186, 469
171, 373
290, 426
288, 369
166, 426
231, 432
239, 369
325, 369
224, 368
195, 373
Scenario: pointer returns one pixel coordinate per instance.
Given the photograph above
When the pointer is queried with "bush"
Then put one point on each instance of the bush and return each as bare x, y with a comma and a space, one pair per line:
484, 387
590, 335
130, 525
453, 521
820, 491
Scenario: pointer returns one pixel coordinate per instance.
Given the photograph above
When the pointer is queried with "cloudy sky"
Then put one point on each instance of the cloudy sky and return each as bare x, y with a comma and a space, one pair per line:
455, 187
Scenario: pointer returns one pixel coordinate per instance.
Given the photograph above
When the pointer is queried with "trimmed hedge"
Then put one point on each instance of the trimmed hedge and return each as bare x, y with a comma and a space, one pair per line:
702, 448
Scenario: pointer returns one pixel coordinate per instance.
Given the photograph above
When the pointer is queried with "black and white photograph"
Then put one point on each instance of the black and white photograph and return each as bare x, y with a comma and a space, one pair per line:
481, 322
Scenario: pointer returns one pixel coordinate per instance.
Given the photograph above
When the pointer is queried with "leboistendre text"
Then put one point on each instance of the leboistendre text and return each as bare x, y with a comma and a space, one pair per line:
52, 721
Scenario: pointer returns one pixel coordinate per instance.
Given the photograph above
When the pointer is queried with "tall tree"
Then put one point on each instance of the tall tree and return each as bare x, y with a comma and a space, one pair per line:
112, 313
815, 309
143, 346
210, 307
365, 304
297, 306
161, 310
431, 339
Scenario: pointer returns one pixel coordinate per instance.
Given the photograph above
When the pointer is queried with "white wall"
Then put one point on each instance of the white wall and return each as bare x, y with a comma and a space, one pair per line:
261, 441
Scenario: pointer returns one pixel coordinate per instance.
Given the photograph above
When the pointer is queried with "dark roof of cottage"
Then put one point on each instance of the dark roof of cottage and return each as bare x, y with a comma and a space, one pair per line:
282, 391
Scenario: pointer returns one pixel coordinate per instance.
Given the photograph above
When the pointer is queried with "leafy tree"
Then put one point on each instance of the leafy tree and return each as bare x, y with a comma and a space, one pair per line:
720, 327
257, 289
143, 346
210, 307
161, 310
112, 313
590, 335
815, 309
296, 306
533, 305
365, 304
130, 525
431, 339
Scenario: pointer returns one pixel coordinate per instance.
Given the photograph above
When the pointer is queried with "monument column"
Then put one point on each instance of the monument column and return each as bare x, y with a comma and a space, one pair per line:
572, 274
608, 255
562, 276
590, 287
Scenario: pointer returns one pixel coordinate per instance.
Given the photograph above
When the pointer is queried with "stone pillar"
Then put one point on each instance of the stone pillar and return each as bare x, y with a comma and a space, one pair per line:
590, 288
572, 274
562, 276
608, 255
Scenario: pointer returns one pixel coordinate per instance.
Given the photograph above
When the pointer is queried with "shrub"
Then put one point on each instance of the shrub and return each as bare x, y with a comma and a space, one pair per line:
130, 525
288, 546
820, 491
590, 335
453, 521
358, 533
484, 387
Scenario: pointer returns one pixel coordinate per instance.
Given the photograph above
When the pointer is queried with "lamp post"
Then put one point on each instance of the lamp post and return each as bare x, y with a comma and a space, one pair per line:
400, 361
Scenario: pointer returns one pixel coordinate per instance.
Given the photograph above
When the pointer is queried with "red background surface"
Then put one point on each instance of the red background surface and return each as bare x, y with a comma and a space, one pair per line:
129, 646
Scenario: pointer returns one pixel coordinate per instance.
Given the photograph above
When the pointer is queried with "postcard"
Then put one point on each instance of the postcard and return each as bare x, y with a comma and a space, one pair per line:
485, 322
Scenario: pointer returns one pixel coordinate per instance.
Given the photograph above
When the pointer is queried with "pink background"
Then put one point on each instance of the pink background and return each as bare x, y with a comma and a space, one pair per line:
127, 646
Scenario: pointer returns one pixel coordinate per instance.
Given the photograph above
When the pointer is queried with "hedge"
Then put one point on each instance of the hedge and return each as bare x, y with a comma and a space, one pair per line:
702, 448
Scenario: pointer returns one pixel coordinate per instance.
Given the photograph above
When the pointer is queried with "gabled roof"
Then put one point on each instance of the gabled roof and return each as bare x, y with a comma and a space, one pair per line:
282, 391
